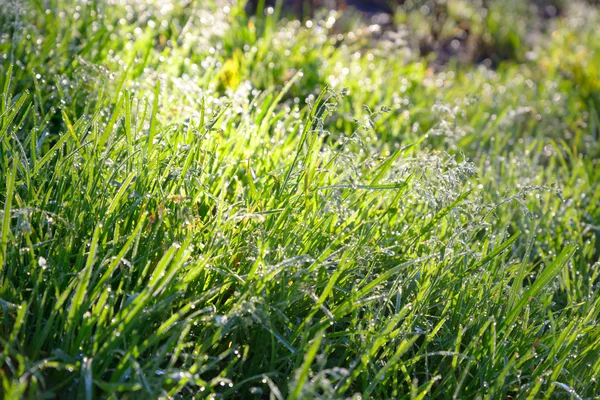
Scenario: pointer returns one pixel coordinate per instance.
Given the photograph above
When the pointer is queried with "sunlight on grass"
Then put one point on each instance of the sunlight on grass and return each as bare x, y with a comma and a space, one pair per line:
198, 203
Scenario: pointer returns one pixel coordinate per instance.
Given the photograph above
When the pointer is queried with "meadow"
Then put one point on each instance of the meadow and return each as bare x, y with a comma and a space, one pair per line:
196, 203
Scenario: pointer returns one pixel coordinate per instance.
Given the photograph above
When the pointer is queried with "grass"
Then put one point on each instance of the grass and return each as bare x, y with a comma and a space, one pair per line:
198, 204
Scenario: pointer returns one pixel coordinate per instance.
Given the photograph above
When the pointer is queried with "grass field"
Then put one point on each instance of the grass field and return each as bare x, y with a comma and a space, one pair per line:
200, 204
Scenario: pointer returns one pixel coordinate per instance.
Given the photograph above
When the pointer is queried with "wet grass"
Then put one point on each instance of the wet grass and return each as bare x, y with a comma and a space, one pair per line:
199, 204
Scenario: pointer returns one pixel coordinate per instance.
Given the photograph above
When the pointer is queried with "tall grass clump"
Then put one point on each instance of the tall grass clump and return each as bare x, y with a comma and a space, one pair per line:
199, 204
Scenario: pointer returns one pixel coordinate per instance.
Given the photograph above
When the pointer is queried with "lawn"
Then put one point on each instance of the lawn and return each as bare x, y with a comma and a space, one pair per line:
197, 203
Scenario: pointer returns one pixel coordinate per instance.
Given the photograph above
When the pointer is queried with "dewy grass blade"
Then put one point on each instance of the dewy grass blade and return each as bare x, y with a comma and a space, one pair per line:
46, 158
122, 189
505, 245
153, 118
275, 102
541, 281
108, 130
78, 302
311, 353
401, 349
307, 127
5, 100
6, 216
119, 257
10, 114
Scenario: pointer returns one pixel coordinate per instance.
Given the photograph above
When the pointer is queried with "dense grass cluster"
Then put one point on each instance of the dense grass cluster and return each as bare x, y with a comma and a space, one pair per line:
199, 204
